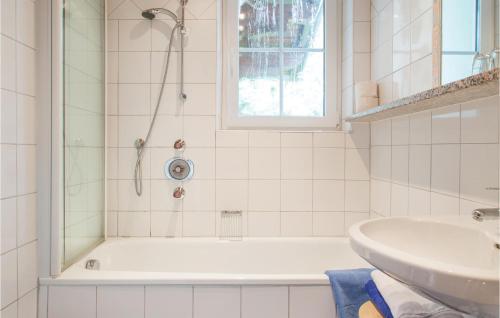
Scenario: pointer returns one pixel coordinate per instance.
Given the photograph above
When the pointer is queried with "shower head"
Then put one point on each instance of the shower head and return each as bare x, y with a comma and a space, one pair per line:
151, 14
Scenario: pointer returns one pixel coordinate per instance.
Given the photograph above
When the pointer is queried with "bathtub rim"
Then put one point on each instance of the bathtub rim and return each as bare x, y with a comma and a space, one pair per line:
77, 275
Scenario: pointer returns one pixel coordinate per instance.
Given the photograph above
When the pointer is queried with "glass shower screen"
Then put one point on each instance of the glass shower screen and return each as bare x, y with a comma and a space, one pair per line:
84, 127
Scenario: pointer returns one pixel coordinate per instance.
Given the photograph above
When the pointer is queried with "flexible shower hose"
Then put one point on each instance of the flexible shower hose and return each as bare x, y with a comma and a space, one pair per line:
141, 144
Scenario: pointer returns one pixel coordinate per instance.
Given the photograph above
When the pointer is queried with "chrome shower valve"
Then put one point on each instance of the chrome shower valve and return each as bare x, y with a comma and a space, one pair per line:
179, 193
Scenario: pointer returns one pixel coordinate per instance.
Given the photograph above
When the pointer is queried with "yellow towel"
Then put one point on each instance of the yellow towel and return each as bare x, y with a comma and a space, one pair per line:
368, 310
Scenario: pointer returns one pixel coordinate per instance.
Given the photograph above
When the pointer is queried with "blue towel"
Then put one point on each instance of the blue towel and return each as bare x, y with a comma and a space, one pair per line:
377, 299
349, 290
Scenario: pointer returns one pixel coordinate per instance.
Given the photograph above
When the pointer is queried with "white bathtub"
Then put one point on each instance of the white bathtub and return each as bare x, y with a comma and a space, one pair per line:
284, 274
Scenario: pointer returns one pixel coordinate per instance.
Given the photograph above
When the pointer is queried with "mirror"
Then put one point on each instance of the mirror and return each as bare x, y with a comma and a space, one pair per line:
469, 40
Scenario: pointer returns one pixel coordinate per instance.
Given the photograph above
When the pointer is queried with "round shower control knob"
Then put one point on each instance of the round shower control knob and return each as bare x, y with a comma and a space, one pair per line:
179, 169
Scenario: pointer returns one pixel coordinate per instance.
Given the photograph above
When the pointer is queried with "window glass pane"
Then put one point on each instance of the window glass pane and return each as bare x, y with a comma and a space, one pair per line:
303, 76
259, 84
303, 23
459, 25
456, 67
259, 23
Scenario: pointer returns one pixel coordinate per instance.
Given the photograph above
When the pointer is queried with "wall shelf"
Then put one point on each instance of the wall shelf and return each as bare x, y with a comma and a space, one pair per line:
470, 88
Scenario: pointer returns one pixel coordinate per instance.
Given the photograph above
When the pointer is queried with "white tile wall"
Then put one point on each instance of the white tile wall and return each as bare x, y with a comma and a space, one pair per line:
401, 47
18, 157
286, 183
451, 158
188, 301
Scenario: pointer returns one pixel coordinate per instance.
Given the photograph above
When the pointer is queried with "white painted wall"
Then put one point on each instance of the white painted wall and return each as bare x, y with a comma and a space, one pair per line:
18, 192
287, 184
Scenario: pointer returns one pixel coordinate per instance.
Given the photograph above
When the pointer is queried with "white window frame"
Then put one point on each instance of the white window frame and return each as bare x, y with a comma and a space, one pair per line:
230, 76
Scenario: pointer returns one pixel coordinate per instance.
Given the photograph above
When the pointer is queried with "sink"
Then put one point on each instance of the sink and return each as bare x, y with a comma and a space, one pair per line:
455, 264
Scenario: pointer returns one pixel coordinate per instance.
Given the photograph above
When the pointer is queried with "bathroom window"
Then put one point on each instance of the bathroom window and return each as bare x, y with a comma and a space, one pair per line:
281, 66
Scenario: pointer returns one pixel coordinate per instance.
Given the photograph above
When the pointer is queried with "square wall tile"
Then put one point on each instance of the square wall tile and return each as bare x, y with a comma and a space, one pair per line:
421, 36
419, 202
166, 301
420, 166
357, 196
8, 212
301, 140
479, 121
198, 224
166, 224
399, 200
357, 163
232, 138
264, 224
216, 302
296, 195
329, 139
264, 139
328, 195
445, 169
231, 195
381, 162
264, 302
264, 195
265, 163
26, 219
9, 170
162, 198
296, 224
446, 125
420, 128
296, 163
399, 162
315, 299
201, 195
134, 35
9, 277
72, 301
328, 163
134, 67
134, 224
328, 223
130, 298
444, 205
381, 133
479, 171
232, 163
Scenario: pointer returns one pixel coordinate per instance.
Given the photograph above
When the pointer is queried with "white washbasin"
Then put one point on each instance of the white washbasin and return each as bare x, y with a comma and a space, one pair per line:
454, 264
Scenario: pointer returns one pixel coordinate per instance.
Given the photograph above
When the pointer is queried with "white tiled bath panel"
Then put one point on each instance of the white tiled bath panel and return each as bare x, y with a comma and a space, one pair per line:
286, 183
445, 166
188, 301
18, 192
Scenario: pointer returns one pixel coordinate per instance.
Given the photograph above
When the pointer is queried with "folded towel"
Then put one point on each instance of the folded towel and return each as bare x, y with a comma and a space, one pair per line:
349, 290
405, 303
368, 310
377, 299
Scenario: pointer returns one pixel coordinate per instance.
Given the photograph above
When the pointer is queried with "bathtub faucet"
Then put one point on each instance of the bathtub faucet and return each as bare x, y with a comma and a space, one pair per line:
485, 214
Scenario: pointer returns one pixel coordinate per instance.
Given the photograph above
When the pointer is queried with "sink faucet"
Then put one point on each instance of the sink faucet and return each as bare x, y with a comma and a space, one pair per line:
485, 214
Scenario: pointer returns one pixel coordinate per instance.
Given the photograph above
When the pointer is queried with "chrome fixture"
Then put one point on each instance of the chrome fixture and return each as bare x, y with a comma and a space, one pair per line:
92, 264
179, 144
179, 193
140, 144
486, 214
179, 169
